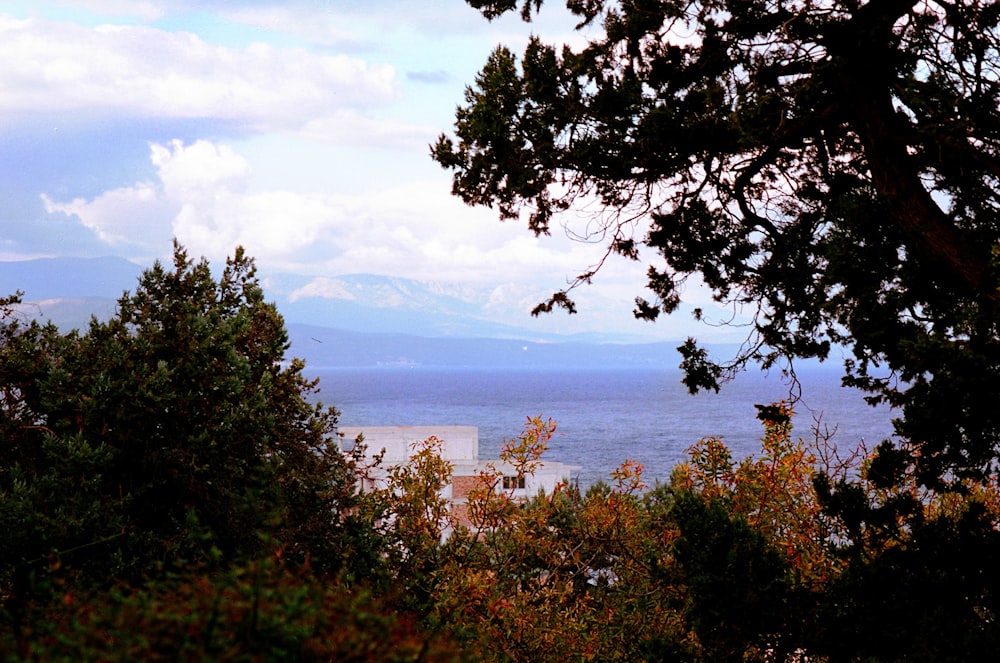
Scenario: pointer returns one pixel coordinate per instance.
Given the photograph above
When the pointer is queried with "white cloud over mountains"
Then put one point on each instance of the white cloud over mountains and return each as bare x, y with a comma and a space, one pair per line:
298, 130
416, 230
201, 196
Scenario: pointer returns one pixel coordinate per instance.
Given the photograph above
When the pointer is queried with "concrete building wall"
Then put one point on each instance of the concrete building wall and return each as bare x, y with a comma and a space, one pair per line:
461, 443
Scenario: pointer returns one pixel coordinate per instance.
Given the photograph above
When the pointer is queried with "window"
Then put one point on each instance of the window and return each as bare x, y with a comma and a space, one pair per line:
511, 483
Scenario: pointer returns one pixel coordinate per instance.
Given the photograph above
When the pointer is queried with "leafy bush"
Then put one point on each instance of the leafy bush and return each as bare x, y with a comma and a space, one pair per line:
258, 611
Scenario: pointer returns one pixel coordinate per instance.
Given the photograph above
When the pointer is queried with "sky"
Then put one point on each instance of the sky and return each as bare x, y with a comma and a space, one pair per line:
298, 129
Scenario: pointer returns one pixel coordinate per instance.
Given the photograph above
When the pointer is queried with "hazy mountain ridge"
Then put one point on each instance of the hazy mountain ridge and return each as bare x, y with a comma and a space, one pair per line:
60, 278
356, 302
380, 304
69, 312
357, 320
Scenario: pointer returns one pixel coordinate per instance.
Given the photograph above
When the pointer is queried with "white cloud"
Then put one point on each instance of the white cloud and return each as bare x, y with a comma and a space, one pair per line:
199, 169
320, 25
119, 215
341, 24
144, 10
349, 127
416, 230
47, 66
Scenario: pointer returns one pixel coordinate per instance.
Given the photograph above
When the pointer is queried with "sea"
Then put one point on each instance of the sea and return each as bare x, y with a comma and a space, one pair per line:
603, 416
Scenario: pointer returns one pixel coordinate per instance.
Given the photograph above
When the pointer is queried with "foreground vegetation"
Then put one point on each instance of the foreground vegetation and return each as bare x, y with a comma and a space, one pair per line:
167, 492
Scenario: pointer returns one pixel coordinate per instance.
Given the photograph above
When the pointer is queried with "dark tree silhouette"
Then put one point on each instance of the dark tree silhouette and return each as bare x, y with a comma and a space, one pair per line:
830, 167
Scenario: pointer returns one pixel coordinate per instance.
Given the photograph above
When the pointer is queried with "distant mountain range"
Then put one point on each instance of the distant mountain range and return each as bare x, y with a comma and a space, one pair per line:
55, 278
354, 320
380, 304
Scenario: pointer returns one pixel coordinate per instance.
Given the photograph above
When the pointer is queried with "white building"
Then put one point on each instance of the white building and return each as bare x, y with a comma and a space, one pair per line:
460, 447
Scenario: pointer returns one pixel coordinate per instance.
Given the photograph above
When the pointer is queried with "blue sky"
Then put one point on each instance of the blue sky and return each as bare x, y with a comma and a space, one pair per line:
297, 129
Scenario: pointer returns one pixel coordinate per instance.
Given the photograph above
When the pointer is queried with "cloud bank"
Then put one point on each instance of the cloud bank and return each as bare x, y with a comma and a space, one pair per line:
416, 229
145, 71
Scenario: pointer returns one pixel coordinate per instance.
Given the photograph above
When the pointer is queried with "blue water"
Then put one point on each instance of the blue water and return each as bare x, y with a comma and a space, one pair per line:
604, 416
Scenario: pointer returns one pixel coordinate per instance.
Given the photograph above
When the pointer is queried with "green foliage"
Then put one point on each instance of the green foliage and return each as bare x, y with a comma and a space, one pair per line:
738, 583
173, 434
258, 611
918, 575
928, 597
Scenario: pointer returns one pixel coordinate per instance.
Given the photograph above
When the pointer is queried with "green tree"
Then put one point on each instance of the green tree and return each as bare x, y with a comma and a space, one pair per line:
737, 583
262, 610
831, 168
174, 434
